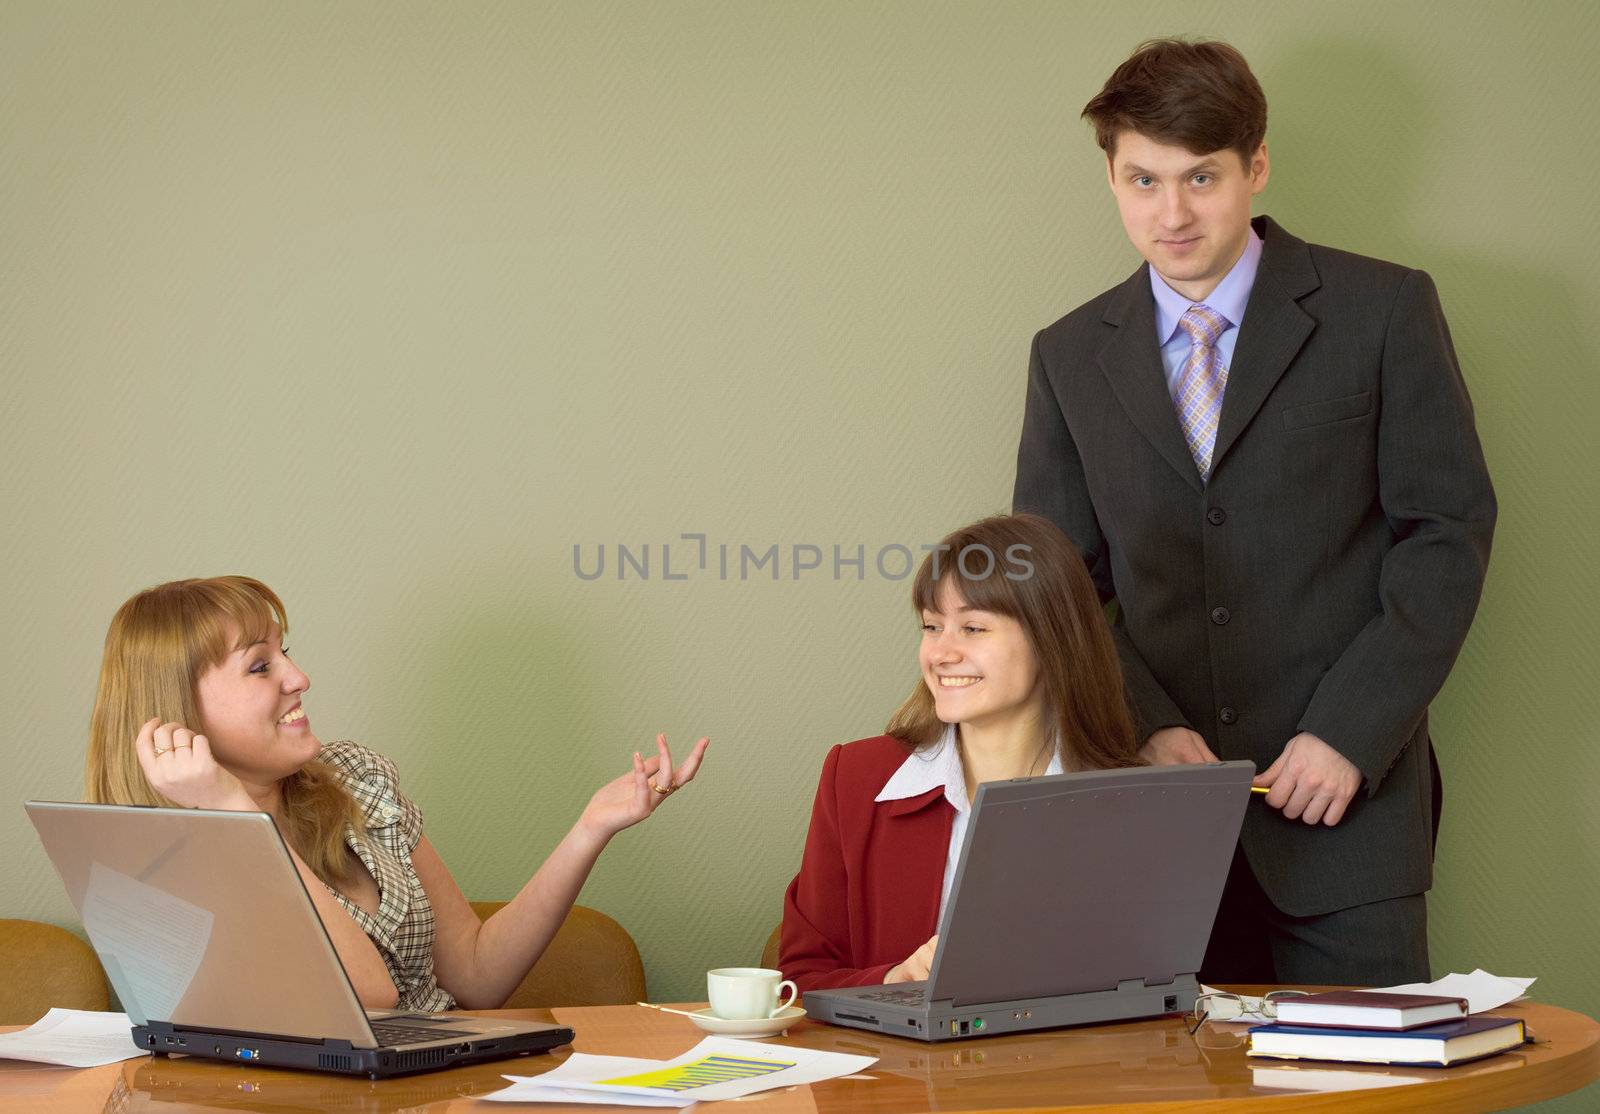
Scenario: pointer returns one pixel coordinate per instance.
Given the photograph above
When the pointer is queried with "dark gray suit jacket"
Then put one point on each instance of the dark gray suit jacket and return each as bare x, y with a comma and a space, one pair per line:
1325, 577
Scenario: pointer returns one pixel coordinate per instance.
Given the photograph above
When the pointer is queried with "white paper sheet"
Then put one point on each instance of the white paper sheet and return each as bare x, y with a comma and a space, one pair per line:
542, 1088
528, 1091
716, 1068
74, 1039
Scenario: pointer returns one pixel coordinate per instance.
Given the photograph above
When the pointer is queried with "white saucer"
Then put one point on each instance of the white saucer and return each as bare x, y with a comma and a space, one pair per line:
753, 1027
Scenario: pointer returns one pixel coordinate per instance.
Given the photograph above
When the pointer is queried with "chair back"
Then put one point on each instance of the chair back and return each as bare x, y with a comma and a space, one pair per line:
591, 961
42, 966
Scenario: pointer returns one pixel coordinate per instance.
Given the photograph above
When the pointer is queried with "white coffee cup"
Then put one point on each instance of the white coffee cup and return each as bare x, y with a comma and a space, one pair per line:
745, 993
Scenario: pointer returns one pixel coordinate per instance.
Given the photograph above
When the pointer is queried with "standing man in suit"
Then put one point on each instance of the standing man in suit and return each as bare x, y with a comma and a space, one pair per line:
1265, 451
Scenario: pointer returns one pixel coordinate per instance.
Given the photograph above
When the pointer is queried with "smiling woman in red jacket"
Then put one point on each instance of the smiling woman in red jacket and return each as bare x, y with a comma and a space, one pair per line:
1019, 678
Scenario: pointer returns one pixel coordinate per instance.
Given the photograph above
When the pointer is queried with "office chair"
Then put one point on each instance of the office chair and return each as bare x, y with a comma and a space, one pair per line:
43, 966
592, 961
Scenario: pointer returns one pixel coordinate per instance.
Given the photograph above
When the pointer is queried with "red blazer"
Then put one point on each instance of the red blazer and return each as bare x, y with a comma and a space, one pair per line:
867, 894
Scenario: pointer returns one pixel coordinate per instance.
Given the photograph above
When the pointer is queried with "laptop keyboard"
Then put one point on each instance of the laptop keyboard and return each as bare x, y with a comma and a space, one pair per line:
900, 997
390, 1034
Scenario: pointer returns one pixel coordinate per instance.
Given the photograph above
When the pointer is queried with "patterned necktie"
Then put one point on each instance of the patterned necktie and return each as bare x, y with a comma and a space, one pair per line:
1198, 394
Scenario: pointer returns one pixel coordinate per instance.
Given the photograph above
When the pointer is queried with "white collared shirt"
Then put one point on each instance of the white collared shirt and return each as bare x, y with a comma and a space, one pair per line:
932, 768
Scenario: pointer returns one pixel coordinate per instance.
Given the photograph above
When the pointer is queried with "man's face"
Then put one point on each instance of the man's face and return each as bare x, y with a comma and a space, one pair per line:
1188, 214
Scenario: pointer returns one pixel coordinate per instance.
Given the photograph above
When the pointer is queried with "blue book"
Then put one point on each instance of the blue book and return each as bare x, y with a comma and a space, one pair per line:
1438, 1046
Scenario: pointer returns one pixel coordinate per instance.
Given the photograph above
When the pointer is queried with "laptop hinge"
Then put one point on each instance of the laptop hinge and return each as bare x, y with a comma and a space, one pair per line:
239, 1034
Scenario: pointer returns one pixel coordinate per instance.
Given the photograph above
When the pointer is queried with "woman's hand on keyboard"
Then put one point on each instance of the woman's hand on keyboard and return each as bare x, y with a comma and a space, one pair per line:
914, 968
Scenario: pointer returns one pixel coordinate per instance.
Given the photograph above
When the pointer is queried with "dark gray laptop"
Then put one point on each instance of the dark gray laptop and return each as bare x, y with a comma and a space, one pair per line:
214, 948
1078, 898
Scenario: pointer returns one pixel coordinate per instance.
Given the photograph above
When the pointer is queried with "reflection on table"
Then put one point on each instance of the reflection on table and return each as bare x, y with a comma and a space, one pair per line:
1093, 1068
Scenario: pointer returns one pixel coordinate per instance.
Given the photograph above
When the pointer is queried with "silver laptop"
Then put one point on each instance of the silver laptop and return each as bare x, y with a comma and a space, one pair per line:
214, 948
1078, 898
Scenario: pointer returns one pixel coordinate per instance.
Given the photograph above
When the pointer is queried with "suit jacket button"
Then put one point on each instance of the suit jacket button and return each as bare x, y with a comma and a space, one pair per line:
1216, 516
1220, 616
1228, 716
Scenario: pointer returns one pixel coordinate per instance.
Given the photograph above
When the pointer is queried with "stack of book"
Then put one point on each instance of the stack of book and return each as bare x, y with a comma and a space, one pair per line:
1373, 1027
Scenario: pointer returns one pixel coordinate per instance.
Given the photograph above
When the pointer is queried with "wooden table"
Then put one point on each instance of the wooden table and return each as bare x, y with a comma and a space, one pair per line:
1094, 1068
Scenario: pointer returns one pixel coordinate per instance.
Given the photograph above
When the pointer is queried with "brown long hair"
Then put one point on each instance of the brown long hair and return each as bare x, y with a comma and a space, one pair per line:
1022, 566
1200, 96
158, 645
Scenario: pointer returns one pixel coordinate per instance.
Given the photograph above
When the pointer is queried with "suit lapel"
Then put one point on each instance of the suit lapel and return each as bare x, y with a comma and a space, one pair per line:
1272, 333
1132, 364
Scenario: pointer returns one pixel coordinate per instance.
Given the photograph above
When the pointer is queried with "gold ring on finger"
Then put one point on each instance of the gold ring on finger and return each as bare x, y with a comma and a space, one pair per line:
662, 789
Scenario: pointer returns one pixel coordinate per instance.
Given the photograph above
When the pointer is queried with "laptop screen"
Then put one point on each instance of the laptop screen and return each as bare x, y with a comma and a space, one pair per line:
1088, 880
200, 920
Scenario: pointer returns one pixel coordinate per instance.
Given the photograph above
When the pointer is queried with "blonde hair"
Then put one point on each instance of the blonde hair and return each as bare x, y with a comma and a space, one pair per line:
159, 644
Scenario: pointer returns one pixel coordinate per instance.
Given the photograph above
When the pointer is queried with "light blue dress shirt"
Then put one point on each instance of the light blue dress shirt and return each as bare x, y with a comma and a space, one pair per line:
1228, 299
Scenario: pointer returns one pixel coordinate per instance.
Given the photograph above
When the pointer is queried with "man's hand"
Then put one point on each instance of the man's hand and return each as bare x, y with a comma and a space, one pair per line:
1310, 781
1176, 746
914, 968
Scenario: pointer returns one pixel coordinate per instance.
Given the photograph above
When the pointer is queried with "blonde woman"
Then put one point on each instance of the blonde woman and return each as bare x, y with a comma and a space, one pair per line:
200, 706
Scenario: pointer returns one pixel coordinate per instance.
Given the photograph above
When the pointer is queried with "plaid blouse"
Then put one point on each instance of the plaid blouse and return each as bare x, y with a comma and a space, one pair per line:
402, 928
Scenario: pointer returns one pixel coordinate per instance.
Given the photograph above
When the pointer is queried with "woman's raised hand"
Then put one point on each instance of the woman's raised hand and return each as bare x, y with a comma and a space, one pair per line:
633, 796
178, 764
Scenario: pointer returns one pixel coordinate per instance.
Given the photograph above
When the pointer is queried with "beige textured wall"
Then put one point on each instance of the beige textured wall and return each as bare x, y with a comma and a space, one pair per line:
393, 304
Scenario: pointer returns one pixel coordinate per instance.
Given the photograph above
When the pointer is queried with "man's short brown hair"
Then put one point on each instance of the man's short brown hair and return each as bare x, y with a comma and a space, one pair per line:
1200, 96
